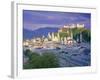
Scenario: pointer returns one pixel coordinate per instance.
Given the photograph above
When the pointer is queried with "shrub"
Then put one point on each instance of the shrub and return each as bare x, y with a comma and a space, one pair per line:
46, 60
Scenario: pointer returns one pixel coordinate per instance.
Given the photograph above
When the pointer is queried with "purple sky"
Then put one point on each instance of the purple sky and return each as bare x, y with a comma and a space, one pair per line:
33, 20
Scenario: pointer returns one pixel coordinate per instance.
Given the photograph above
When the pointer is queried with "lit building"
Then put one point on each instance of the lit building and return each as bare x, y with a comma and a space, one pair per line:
48, 45
69, 41
73, 26
66, 26
46, 39
80, 25
63, 29
25, 43
33, 40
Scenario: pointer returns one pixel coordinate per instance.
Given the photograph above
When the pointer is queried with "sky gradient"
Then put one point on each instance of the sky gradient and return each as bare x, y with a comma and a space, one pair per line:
33, 20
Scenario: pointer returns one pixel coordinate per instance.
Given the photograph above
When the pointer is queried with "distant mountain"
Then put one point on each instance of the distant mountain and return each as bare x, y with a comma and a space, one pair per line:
28, 34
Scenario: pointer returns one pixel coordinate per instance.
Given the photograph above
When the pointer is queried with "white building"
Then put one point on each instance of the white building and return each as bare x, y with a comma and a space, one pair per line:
74, 26
80, 25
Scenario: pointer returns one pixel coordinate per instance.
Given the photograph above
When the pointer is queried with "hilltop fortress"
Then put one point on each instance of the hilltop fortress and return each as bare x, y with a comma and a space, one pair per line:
62, 29
69, 35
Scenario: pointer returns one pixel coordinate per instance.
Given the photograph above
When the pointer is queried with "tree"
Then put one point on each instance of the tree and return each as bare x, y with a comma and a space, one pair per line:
49, 60
27, 53
46, 60
86, 35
